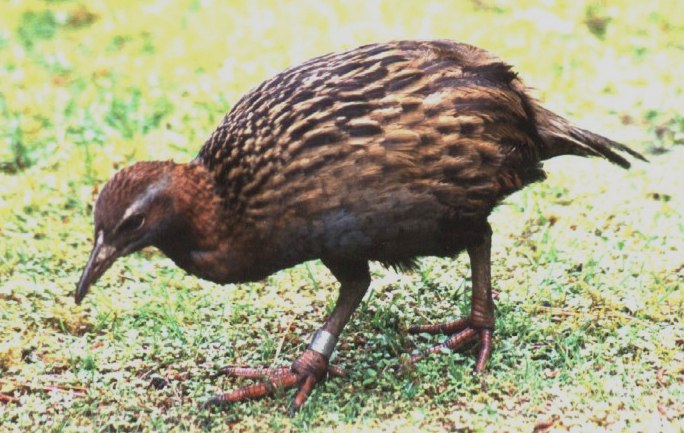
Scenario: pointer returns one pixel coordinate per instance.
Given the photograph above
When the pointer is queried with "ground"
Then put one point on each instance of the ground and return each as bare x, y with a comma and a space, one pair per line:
588, 266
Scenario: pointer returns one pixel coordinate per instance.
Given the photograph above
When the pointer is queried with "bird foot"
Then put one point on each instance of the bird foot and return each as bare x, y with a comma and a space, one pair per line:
461, 332
310, 368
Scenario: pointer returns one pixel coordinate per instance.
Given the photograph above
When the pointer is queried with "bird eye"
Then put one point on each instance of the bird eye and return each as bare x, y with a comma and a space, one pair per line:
133, 222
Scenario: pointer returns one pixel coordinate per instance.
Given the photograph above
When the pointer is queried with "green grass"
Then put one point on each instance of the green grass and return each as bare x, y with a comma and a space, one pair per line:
588, 266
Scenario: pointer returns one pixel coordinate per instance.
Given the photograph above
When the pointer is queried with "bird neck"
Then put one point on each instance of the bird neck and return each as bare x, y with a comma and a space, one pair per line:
205, 238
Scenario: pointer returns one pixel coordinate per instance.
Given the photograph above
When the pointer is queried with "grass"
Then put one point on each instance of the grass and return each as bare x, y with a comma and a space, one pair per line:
588, 266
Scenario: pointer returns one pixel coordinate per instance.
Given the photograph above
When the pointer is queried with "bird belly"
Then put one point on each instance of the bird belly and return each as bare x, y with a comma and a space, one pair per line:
393, 228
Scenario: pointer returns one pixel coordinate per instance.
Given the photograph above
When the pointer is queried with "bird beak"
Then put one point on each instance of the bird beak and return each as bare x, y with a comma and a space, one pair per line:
101, 258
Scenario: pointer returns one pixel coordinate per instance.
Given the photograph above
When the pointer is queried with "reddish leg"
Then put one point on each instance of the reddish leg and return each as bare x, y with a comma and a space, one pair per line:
312, 366
480, 324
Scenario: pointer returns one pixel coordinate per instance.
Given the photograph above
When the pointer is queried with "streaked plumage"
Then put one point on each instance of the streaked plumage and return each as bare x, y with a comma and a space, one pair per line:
386, 152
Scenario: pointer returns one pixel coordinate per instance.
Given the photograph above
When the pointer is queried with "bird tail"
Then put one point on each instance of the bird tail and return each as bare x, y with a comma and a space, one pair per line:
562, 138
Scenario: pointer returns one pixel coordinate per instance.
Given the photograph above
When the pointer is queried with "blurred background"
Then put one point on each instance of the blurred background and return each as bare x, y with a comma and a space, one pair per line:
89, 87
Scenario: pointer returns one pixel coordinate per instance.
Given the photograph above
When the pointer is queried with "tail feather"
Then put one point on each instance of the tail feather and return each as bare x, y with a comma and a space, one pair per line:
562, 138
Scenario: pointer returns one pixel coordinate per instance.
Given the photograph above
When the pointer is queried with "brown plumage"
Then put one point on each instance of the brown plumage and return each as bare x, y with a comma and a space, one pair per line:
386, 152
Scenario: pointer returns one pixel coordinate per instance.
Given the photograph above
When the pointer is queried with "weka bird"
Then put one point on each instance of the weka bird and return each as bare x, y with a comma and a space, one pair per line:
387, 152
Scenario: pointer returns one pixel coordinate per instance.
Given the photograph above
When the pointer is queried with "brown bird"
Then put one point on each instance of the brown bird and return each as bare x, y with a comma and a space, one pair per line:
387, 152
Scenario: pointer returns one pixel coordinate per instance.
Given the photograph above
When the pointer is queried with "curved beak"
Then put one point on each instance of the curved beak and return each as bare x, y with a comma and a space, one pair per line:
101, 258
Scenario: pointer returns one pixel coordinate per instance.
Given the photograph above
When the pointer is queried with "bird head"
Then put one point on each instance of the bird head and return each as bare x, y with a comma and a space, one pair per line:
135, 209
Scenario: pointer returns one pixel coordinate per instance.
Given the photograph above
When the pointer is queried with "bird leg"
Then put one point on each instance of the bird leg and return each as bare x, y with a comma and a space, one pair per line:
480, 323
312, 366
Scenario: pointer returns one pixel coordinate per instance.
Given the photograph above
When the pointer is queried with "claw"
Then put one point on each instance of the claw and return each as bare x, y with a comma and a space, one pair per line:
252, 372
309, 369
440, 328
461, 333
254, 391
485, 350
302, 394
335, 371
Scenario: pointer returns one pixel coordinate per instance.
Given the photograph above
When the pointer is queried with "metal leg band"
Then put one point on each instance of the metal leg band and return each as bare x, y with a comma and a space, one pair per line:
323, 342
